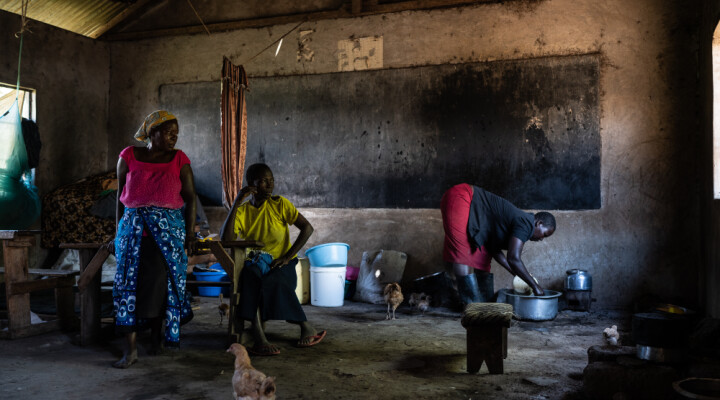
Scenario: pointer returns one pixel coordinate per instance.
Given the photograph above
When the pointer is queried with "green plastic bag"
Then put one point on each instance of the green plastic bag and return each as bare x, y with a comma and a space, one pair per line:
19, 201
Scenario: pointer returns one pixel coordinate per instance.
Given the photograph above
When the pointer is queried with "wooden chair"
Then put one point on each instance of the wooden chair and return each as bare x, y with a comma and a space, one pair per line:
93, 255
18, 287
486, 325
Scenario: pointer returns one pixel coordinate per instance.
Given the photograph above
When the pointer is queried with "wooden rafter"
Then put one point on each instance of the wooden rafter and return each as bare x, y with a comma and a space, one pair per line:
358, 8
119, 18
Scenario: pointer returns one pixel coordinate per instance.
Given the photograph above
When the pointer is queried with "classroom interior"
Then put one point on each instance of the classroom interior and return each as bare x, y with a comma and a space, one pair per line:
603, 112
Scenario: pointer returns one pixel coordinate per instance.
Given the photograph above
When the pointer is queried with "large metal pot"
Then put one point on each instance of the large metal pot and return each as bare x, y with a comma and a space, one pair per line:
531, 308
578, 279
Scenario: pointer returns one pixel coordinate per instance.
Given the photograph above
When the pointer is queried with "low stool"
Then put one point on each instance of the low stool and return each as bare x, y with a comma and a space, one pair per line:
486, 325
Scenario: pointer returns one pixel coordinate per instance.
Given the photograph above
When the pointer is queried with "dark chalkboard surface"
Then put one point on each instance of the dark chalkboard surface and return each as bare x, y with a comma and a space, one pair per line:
526, 130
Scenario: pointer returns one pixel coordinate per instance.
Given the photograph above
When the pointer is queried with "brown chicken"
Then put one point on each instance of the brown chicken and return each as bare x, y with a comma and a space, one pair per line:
223, 310
393, 297
249, 383
420, 301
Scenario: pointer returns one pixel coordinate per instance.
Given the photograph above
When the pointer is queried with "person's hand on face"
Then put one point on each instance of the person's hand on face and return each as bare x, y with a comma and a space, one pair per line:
247, 190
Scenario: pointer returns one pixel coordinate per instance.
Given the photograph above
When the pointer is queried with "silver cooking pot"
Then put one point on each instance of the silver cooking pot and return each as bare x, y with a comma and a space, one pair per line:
578, 279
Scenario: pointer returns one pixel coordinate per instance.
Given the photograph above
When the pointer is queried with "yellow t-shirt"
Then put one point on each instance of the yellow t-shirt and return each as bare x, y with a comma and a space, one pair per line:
268, 224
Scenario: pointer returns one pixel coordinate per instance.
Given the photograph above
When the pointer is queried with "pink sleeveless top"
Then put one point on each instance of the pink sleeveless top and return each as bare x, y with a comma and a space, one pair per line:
150, 184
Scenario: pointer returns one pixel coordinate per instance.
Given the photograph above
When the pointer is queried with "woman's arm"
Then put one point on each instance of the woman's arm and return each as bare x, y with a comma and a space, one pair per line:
500, 258
513, 257
306, 230
228, 232
122, 170
187, 192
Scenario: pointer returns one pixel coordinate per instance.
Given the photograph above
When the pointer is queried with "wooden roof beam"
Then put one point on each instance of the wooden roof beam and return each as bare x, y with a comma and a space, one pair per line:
358, 8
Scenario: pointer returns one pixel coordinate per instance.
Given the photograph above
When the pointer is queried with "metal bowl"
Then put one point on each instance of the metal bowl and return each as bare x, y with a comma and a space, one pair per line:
531, 308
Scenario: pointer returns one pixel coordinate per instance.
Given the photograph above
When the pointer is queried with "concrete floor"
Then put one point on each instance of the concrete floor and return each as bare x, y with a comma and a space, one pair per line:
363, 356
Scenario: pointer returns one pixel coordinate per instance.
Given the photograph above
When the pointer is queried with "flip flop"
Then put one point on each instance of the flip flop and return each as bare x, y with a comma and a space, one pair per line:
263, 351
315, 339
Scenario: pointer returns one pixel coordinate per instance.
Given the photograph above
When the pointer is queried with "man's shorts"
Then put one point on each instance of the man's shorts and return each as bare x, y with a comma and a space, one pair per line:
458, 247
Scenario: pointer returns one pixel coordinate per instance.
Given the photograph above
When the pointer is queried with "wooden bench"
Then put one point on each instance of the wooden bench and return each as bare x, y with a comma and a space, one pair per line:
18, 287
93, 255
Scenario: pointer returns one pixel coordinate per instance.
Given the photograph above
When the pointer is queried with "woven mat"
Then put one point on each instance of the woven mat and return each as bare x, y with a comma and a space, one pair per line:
484, 313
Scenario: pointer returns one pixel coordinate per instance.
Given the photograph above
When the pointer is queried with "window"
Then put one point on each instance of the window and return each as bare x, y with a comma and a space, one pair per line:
26, 100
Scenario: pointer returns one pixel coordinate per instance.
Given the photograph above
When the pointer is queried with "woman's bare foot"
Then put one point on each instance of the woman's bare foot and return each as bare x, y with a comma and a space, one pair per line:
126, 361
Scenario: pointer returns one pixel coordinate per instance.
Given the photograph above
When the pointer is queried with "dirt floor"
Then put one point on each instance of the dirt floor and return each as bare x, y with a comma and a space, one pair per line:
363, 356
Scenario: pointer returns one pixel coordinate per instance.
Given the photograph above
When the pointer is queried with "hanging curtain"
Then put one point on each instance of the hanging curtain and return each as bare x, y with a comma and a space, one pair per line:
234, 129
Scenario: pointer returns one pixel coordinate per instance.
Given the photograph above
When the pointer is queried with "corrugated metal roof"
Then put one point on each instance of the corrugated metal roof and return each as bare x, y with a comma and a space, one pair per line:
89, 18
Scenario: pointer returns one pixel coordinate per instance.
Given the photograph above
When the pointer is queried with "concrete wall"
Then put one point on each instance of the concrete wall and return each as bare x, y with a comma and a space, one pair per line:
646, 236
71, 75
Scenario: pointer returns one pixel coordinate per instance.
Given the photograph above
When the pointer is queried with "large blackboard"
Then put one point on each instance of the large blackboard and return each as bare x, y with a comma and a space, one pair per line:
527, 130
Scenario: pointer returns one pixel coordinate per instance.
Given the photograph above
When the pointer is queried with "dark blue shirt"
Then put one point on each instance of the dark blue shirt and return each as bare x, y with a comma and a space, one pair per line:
494, 220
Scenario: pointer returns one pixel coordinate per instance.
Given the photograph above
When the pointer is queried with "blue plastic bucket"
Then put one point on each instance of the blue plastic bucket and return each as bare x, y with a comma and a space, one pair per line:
212, 291
328, 255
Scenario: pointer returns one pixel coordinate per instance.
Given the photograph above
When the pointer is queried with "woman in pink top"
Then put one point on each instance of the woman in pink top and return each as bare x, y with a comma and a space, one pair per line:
154, 183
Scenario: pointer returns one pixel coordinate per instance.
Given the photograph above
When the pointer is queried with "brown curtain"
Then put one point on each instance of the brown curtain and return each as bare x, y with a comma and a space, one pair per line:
234, 129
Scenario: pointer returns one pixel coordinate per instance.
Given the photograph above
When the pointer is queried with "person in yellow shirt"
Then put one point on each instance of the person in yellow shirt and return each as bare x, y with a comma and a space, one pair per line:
268, 279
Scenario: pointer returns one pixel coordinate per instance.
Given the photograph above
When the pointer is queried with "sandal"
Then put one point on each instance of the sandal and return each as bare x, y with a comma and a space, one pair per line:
315, 339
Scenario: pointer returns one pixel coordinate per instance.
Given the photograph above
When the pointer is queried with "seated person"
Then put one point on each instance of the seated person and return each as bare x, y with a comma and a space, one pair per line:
268, 279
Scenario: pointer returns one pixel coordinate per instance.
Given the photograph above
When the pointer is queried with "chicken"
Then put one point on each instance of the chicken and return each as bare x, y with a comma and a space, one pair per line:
612, 336
420, 301
223, 309
249, 383
393, 297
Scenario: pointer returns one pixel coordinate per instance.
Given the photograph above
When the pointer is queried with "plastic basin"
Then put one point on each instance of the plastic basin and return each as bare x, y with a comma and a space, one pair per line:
211, 291
328, 255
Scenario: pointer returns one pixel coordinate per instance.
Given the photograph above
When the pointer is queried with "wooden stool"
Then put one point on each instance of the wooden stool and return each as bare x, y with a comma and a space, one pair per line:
486, 325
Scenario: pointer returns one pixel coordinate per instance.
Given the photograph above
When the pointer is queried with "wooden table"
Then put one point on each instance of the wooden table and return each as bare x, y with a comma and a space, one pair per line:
90, 305
18, 287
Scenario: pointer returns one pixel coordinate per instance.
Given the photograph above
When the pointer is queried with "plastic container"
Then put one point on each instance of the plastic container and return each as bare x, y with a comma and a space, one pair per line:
212, 291
350, 287
327, 286
302, 289
352, 273
328, 255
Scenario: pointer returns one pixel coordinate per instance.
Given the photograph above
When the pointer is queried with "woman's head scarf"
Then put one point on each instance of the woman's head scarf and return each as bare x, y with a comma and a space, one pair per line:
154, 119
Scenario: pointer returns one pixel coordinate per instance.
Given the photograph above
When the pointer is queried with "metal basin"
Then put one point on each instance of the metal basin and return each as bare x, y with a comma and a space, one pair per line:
531, 308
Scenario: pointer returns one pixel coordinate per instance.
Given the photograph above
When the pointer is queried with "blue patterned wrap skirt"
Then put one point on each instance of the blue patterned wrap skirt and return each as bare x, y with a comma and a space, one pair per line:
167, 227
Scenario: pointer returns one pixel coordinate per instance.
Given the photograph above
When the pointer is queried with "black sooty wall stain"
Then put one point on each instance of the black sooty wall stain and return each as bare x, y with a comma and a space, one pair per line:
527, 130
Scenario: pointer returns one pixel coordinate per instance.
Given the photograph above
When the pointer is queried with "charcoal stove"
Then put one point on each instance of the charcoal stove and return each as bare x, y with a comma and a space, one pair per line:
578, 290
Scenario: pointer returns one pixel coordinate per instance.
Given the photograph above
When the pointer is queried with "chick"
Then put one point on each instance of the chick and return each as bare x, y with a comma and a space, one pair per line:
420, 301
612, 336
223, 309
393, 297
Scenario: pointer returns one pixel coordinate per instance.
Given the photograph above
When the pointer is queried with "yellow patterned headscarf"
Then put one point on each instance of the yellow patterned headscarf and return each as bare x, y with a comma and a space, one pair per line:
154, 119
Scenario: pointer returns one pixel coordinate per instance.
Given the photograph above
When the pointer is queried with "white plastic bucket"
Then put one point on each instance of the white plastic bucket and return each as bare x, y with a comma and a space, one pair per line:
327, 286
